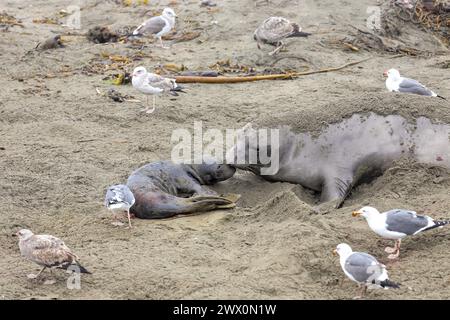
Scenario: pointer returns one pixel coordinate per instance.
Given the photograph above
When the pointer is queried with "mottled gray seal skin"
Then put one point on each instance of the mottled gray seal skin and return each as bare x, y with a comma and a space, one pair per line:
164, 189
346, 153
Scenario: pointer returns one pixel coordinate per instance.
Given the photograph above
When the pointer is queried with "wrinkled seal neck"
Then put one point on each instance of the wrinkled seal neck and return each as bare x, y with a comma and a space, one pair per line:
193, 173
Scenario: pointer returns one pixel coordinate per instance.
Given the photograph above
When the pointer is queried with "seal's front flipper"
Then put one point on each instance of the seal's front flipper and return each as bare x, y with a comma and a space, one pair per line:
345, 187
336, 189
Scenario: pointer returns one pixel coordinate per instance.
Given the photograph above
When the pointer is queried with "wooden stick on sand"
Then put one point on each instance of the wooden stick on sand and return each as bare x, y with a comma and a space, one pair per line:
222, 79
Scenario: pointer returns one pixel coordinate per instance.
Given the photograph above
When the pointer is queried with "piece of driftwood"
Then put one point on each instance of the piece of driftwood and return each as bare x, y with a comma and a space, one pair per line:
224, 79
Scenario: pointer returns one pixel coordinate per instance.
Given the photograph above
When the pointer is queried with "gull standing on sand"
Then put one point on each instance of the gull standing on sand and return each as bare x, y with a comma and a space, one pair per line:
153, 84
397, 224
274, 30
363, 269
120, 198
159, 25
48, 252
397, 83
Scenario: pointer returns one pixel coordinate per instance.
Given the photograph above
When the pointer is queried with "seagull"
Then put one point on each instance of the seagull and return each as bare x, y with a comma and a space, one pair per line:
363, 269
48, 252
397, 224
120, 198
51, 43
153, 84
396, 83
274, 30
159, 25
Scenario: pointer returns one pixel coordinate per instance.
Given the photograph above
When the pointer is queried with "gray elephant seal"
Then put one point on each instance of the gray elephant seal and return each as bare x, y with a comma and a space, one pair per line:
346, 153
164, 189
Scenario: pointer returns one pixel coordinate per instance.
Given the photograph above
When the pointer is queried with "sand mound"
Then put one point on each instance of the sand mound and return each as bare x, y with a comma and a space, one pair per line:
308, 117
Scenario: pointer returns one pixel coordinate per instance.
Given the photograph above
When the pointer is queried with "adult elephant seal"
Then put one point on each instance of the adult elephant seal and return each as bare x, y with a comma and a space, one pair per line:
164, 189
342, 154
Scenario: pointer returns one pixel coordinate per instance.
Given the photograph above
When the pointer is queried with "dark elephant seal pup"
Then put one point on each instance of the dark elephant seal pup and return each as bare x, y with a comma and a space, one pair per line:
164, 189
345, 153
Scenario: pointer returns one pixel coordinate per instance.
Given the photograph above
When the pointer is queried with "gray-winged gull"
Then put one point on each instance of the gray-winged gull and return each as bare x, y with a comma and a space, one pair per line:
363, 269
153, 84
48, 252
120, 198
397, 224
159, 25
274, 30
396, 83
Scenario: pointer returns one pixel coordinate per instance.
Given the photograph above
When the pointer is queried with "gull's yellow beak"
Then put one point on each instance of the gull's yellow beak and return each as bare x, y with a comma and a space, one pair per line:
356, 214
335, 252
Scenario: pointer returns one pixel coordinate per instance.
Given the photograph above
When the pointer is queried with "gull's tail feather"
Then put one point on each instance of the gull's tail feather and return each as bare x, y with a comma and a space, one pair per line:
389, 284
438, 224
441, 97
83, 269
297, 32
74, 267
137, 31
174, 91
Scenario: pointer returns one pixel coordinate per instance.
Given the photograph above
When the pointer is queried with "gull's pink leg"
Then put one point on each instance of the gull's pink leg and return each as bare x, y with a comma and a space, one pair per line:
362, 293
391, 249
161, 43
148, 110
129, 218
35, 276
274, 52
397, 252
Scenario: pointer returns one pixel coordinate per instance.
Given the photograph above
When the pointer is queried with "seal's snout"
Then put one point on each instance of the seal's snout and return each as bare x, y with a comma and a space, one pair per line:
356, 213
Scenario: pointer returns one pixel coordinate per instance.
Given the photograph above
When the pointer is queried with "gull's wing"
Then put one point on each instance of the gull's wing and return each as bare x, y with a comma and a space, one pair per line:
128, 195
404, 221
157, 81
49, 251
363, 267
119, 194
274, 29
153, 25
414, 86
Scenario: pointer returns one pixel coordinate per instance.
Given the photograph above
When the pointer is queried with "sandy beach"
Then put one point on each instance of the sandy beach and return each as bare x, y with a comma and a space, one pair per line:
62, 144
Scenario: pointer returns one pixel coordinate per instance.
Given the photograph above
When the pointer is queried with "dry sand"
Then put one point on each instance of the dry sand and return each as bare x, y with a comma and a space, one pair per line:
62, 144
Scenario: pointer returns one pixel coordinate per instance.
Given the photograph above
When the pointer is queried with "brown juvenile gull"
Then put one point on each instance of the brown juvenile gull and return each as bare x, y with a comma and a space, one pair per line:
48, 252
153, 84
159, 25
397, 224
274, 30
363, 269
